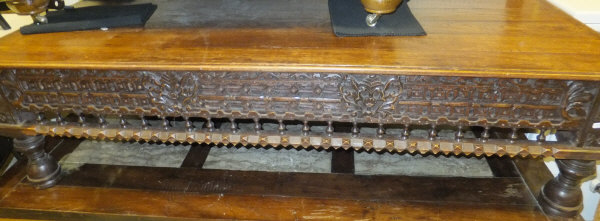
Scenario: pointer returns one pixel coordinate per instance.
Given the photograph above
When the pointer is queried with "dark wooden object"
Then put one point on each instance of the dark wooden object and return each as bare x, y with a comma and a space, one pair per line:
197, 156
495, 65
562, 195
103, 203
42, 170
57, 148
6, 152
342, 161
4, 24
534, 172
502, 167
110, 192
519, 34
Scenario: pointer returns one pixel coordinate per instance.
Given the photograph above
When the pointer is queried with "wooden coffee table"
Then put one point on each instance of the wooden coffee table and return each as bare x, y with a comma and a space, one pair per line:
497, 67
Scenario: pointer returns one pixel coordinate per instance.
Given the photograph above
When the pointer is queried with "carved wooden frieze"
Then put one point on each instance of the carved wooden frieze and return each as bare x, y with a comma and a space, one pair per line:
304, 96
374, 96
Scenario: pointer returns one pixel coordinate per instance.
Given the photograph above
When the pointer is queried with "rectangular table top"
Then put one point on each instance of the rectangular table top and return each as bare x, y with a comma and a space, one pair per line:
487, 38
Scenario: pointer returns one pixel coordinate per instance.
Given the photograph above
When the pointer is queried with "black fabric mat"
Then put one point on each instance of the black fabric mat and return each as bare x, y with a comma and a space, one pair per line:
348, 19
94, 17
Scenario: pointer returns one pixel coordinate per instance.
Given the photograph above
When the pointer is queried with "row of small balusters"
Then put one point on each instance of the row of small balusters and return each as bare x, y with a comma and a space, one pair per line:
306, 128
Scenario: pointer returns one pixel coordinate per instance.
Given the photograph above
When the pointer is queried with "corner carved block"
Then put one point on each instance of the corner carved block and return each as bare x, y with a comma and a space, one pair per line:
588, 135
579, 100
562, 195
42, 170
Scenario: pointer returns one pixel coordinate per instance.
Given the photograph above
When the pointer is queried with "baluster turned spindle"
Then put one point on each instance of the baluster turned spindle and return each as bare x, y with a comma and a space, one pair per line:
281, 127
405, 132
144, 122
122, 121
460, 134
257, 126
233, 125
189, 125
210, 126
102, 121
41, 118
165, 123
542, 136
355, 129
305, 128
514, 135
485, 136
380, 130
59, 119
329, 129
433, 132
81, 119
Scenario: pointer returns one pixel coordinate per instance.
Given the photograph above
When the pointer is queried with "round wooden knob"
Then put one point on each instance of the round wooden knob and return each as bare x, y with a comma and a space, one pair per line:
381, 6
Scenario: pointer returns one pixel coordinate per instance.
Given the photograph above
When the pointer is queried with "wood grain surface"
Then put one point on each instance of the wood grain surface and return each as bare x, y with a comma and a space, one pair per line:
110, 192
499, 190
493, 38
134, 193
139, 203
13, 176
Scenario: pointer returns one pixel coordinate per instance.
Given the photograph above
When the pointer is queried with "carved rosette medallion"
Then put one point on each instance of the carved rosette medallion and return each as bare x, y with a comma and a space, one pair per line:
371, 96
173, 94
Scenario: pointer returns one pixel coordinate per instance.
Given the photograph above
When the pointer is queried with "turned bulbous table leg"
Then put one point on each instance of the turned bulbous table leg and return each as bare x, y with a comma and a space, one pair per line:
42, 170
561, 196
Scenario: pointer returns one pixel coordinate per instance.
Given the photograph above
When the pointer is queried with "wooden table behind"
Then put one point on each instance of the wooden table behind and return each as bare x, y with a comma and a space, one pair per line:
491, 38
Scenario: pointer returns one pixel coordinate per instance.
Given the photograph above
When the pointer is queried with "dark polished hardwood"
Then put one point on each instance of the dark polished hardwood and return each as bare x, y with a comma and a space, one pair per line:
502, 167
495, 65
342, 161
6, 153
56, 147
534, 173
197, 155
562, 195
493, 38
42, 170
142, 193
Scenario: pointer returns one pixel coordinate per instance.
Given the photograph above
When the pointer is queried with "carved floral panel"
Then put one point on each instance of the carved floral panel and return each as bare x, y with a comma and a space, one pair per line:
300, 96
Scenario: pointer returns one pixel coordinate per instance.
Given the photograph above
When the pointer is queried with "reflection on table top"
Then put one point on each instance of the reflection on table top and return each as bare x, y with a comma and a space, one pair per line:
493, 38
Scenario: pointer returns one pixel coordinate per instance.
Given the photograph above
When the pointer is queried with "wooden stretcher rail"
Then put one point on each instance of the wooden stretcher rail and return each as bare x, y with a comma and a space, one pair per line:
297, 139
